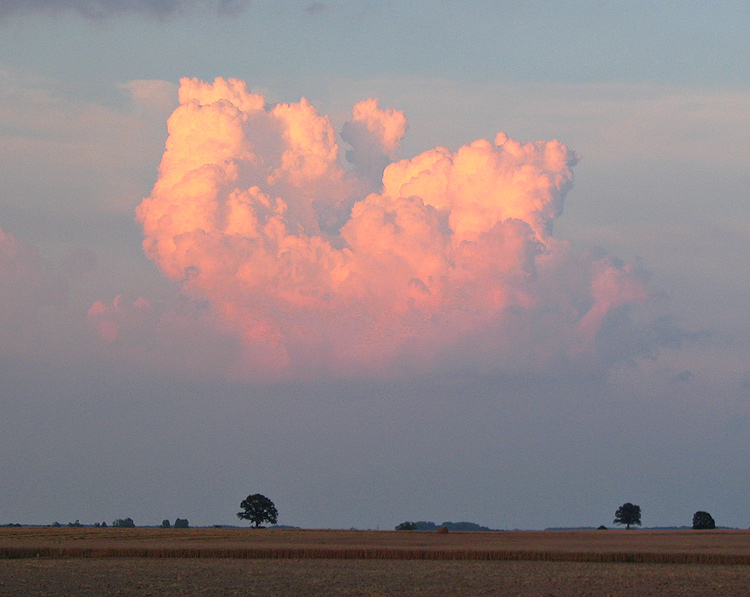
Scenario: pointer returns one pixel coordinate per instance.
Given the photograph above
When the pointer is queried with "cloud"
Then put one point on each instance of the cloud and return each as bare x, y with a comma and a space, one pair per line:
374, 136
185, 338
152, 93
102, 9
45, 128
448, 261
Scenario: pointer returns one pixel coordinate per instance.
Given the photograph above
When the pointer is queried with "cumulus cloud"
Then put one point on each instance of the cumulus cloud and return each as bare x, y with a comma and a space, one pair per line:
374, 136
100, 9
447, 261
185, 338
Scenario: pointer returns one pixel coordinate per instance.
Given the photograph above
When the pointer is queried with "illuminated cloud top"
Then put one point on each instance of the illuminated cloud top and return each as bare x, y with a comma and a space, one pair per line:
383, 268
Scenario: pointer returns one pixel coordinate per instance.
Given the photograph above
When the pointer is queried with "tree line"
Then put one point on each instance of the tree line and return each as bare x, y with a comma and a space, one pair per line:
628, 514
128, 523
258, 509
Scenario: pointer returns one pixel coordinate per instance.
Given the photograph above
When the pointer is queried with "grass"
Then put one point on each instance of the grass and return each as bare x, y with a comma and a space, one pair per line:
611, 546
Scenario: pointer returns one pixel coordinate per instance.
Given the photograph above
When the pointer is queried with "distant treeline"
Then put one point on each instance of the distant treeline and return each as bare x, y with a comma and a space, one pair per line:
424, 525
128, 522
671, 528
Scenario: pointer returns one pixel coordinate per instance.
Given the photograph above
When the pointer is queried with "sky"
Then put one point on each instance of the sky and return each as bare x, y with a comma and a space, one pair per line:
378, 261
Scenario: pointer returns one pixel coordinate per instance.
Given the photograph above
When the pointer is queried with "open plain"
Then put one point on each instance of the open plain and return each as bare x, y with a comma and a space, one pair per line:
212, 561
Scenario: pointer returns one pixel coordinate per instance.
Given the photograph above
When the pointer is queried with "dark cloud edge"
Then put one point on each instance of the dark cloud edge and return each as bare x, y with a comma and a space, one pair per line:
97, 10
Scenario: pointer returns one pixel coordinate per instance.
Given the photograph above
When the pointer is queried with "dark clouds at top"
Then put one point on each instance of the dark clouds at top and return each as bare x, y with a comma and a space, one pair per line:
102, 9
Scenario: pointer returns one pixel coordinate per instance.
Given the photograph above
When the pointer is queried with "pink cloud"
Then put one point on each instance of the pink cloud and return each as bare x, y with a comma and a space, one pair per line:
449, 258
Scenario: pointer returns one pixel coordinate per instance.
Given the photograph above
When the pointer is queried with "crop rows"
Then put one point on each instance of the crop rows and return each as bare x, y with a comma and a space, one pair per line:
30, 551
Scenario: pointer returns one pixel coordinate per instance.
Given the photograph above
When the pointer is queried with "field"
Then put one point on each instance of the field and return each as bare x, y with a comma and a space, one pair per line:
47, 561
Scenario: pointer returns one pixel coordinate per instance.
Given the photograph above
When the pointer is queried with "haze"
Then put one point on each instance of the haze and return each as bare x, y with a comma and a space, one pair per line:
376, 261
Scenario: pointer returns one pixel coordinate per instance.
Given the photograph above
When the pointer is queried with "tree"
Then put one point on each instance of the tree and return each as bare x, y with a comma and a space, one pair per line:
628, 514
165, 524
703, 520
124, 523
181, 523
258, 508
407, 526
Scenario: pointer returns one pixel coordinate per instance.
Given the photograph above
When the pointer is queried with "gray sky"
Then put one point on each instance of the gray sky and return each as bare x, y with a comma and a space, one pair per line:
541, 379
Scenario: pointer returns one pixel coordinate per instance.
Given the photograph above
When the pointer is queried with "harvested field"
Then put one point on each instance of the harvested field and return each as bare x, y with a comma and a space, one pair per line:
139, 576
710, 547
307, 562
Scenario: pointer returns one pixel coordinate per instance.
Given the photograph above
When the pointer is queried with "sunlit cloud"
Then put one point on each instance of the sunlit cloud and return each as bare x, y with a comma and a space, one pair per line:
449, 261
182, 338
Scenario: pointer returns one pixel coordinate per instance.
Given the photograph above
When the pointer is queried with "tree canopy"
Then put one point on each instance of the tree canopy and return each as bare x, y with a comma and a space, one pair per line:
703, 520
257, 509
124, 522
628, 514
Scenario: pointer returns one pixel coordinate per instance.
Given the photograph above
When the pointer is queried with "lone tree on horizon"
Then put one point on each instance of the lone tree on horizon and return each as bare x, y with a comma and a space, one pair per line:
703, 520
258, 508
628, 514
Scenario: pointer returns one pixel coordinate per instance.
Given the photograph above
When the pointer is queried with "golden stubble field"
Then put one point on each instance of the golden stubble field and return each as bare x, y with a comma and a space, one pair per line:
53, 561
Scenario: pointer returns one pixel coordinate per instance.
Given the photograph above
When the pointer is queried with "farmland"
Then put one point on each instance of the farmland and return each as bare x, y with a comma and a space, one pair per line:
46, 561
